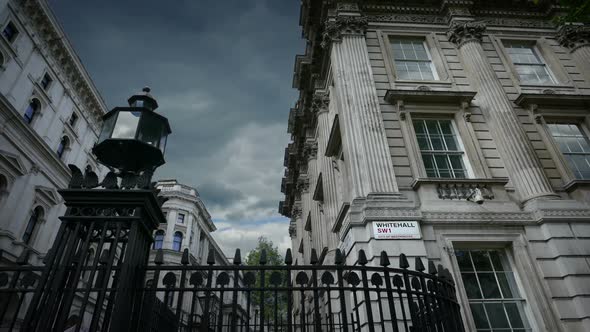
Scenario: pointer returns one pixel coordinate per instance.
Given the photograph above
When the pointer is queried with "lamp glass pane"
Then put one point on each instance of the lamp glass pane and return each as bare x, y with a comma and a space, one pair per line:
150, 129
163, 141
126, 125
107, 128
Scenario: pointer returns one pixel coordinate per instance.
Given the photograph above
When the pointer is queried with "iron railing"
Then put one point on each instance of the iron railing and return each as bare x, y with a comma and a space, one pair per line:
312, 297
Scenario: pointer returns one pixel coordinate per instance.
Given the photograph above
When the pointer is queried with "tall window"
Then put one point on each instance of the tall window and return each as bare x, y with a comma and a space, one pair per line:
412, 61
574, 146
442, 154
159, 239
180, 218
36, 216
494, 298
73, 119
32, 110
63, 145
177, 243
529, 65
46, 81
10, 32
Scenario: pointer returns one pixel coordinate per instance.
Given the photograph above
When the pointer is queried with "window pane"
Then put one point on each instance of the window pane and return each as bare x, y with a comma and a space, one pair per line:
464, 261
497, 258
471, 285
575, 147
443, 166
497, 315
514, 314
506, 280
481, 260
479, 316
489, 286
126, 125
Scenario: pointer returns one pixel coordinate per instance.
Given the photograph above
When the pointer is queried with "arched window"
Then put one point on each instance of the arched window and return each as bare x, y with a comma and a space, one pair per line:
36, 216
177, 241
159, 239
63, 145
32, 110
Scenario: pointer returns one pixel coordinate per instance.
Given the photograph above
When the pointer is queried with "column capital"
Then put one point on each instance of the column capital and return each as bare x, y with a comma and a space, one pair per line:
320, 102
573, 36
343, 25
461, 33
311, 149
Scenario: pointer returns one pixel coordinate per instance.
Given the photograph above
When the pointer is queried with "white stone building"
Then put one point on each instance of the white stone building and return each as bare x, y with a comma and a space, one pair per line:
50, 116
417, 112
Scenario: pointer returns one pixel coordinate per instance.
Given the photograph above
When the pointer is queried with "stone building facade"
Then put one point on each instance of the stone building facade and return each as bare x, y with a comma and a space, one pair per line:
455, 131
189, 227
50, 116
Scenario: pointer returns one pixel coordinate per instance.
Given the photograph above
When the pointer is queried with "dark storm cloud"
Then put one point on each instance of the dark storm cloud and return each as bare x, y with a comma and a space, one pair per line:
221, 71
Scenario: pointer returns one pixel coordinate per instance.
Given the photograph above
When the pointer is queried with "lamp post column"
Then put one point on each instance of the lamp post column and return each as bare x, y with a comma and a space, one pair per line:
522, 164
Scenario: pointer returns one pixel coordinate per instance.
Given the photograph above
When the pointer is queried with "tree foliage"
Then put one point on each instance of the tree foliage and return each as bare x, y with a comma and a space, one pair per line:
577, 11
273, 258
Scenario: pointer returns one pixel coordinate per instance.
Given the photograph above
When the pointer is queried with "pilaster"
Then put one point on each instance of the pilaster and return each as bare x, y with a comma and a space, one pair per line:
330, 204
576, 37
519, 156
365, 144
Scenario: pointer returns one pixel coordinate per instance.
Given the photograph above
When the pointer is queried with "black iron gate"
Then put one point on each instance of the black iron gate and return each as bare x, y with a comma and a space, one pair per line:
97, 277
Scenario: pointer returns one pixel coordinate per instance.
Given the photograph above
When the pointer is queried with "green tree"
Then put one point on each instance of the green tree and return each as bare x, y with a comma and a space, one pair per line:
577, 11
273, 258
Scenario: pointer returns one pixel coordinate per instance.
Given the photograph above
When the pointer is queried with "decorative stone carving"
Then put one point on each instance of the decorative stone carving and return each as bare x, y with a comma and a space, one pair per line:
311, 149
320, 103
408, 18
462, 190
574, 36
344, 25
292, 228
303, 184
296, 212
347, 7
464, 32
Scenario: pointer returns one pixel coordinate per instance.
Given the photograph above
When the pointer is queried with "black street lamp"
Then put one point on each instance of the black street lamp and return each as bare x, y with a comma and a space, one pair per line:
133, 139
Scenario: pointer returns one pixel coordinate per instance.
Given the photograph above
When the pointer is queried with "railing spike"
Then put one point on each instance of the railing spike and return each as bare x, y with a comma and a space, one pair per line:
403, 261
211, 257
159, 259
238, 257
262, 259
362, 259
384, 259
431, 268
418, 265
288, 257
23, 259
184, 258
314, 257
338, 258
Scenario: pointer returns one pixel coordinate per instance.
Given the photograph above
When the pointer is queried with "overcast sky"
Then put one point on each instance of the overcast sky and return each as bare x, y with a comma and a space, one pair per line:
221, 72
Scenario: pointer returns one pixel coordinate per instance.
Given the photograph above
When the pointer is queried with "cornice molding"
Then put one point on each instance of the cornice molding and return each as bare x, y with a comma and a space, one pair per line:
47, 29
341, 26
461, 33
574, 36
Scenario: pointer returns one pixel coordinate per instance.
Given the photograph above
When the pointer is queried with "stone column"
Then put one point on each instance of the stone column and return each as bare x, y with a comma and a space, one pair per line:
330, 204
363, 133
576, 37
522, 164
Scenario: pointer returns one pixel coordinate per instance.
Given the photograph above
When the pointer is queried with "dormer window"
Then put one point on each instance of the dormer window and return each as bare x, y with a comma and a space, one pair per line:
46, 81
10, 32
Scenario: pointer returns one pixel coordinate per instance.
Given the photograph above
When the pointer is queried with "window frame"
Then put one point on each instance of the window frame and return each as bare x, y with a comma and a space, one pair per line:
39, 218
49, 85
537, 53
473, 156
430, 61
536, 299
16, 28
460, 145
174, 242
156, 234
438, 62
178, 215
36, 113
64, 149
541, 119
